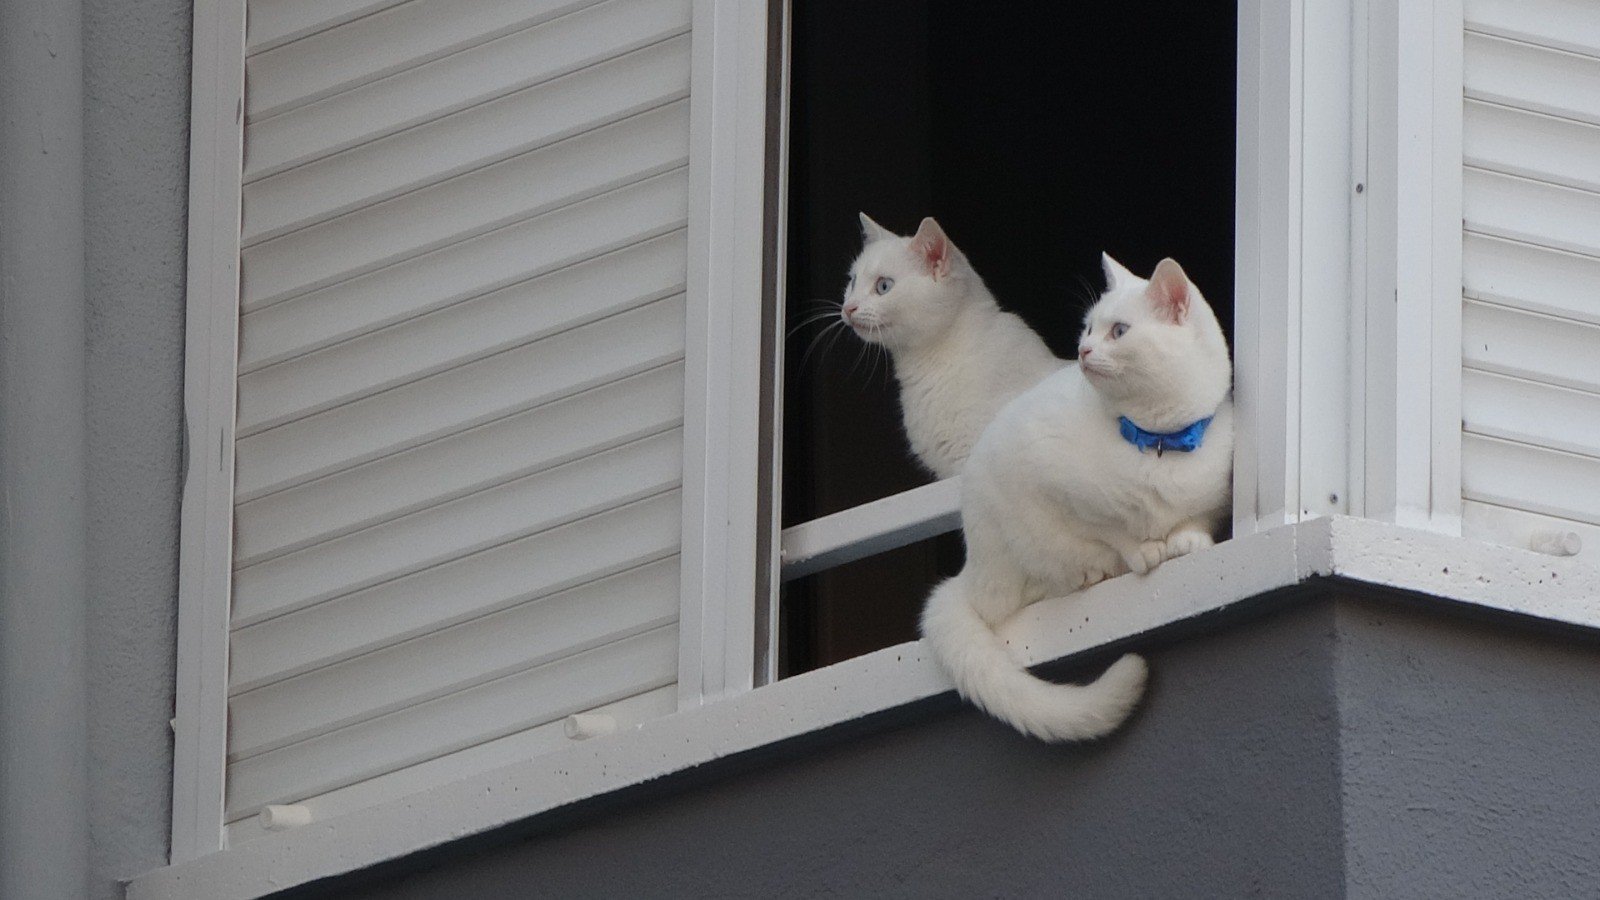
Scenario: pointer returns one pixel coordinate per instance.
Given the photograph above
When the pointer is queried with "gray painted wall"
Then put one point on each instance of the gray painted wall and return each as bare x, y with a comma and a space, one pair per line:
136, 149
1224, 785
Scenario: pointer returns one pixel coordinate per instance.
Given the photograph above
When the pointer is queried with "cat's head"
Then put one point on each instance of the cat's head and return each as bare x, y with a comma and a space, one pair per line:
1153, 348
906, 291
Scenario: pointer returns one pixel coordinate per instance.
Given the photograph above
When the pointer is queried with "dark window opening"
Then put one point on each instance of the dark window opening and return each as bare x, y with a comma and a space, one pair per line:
1038, 134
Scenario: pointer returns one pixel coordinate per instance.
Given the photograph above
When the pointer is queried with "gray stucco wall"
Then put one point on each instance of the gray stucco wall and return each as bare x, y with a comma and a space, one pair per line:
136, 146
1224, 785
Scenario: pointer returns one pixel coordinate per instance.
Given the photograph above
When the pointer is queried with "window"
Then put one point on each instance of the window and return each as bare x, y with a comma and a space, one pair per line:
1039, 135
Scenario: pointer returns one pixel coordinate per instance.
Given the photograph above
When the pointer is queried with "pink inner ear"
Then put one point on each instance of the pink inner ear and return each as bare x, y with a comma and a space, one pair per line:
1169, 291
934, 247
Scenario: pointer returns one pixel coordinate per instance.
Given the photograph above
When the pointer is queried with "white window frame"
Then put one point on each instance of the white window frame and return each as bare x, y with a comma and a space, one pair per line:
1374, 101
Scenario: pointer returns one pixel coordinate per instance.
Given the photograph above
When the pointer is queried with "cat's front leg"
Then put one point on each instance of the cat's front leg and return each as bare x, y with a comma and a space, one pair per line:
1142, 556
1186, 539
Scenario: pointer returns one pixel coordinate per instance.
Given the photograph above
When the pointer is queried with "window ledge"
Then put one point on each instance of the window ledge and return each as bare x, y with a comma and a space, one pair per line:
1500, 578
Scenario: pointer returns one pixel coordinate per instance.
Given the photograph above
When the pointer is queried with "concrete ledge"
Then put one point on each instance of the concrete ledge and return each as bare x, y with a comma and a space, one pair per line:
1256, 568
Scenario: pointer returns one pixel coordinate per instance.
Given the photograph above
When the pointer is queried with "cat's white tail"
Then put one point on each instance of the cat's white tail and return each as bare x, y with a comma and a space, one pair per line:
986, 674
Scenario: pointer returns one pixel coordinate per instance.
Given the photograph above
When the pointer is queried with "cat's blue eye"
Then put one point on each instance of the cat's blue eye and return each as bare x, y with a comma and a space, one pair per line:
883, 285
1118, 330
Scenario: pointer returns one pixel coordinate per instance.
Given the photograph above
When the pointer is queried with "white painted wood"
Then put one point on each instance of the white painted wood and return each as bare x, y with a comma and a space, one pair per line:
1454, 569
471, 139
460, 334
522, 700
277, 22
349, 578
1527, 277
1531, 211
490, 262
376, 45
1526, 76
455, 658
723, 365
1532, 145
205, 519
1536, 479
1562, 24
473, 460
464, 207
519, 747
1531, 412
1522, 529
461, 398
1532, 346
415, 96
872, 528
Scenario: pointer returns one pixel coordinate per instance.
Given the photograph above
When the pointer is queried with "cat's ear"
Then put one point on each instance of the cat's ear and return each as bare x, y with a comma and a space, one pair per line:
935, 248
1116, 273
872, 231
1169, 291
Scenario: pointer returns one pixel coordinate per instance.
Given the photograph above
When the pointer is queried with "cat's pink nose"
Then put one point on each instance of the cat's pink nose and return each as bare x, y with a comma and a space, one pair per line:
850, 311
1083, 352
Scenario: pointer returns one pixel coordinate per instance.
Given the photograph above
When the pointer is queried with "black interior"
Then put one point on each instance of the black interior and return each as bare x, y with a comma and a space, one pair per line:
1038, 134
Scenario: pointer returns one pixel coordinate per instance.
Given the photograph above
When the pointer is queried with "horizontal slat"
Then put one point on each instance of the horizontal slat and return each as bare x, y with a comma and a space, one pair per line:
1536, 279
467, 140
467, 525
1532, 346
459, 334
461, 208
519, 445
450, 723
500, 577
1523, 210
460, 398
1529, 77
872, 528
518, 747
1502, 139
462, 271
463, 79
273, 23
1526, 530
1531, 478
453, 659
1564, 24
380, 44
1534, 413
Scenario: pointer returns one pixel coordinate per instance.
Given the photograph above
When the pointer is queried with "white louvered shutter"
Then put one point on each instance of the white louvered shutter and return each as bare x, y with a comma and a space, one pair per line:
460, 399
1531, 270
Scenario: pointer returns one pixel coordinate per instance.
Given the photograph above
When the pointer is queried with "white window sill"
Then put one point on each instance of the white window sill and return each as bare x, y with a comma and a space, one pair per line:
1519, 581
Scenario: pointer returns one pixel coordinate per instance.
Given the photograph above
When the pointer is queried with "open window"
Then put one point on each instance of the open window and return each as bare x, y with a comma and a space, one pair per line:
1038, 136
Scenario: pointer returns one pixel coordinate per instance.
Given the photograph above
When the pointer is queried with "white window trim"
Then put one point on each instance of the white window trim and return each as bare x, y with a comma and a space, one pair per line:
1353, 550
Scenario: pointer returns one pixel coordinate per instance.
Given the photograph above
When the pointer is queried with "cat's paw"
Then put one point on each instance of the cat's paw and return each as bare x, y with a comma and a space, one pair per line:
1146, 556
1184, 542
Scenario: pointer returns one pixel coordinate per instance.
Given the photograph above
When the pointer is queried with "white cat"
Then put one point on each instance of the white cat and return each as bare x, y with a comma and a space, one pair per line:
1116, 464
957, 355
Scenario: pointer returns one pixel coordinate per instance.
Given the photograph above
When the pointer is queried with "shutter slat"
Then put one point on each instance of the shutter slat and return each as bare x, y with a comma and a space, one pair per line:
273, 23
1519, 528
1536, 479
416, 348
380, 44
438, 535
415, 96
1533, 413
1536, 279
1513, 73
467, 140
489, 262
1563, 24
1531, 346
513, 447
454, 658
1543, 214
459, 720
461, 398
1517, 142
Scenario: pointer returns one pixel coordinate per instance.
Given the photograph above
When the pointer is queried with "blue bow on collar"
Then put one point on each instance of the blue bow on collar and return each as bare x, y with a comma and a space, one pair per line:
1184, 440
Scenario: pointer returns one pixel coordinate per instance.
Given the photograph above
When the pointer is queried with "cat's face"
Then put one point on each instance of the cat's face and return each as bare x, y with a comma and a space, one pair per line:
1154, 347
904, 291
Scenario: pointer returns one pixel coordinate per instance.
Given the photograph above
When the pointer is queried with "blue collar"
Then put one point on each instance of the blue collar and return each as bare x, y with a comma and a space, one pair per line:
1183, 440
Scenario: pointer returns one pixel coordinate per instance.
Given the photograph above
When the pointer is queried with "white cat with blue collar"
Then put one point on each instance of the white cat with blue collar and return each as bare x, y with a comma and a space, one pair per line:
1113, 465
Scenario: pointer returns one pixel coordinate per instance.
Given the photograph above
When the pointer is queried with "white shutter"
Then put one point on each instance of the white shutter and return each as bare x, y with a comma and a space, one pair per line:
461, 387
1531, 266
